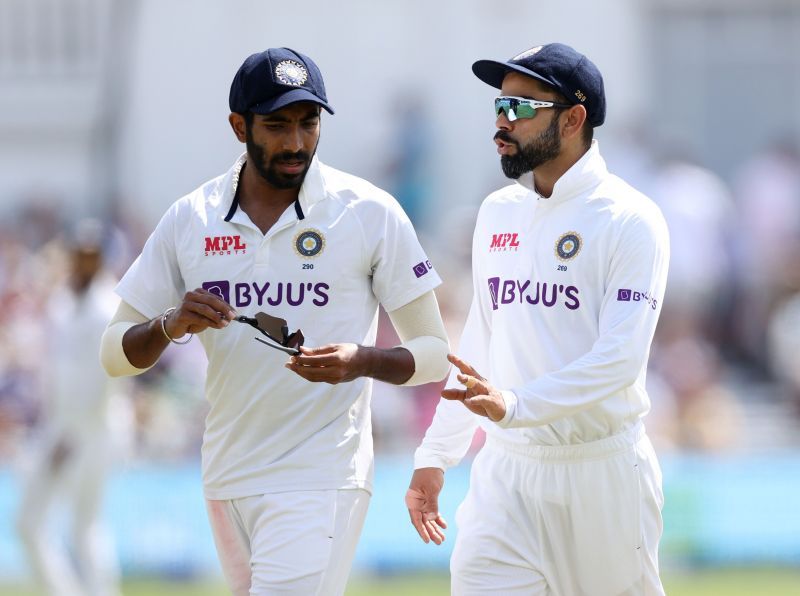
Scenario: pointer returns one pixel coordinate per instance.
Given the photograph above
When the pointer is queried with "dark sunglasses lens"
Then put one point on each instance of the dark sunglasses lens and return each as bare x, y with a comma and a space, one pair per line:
502, 104
525, 110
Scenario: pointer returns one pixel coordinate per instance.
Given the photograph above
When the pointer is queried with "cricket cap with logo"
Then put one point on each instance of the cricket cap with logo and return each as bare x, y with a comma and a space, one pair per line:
275, 78
560, 66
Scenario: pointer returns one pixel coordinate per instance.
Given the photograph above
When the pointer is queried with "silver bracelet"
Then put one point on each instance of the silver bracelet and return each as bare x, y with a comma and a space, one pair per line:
164, 328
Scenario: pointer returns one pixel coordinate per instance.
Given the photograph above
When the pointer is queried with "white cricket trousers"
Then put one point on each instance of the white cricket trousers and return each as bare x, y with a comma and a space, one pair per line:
575, 520
298, 543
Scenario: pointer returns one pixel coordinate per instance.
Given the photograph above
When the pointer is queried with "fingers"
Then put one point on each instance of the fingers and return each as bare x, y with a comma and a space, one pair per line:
322, 356
327, 349
315, 374
428, 524
454, 394
433, 525
213, 301
199, 310
195, 313
463, 366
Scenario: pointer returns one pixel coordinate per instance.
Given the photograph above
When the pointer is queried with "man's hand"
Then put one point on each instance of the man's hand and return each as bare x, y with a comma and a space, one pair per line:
332, 363
422, 500
479, 396
199, 310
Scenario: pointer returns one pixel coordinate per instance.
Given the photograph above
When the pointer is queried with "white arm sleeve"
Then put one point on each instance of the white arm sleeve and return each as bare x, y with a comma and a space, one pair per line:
419, 326
450, 434
112, 354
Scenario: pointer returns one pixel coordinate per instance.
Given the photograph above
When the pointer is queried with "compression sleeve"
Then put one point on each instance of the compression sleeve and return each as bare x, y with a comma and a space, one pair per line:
112, 354
419, 326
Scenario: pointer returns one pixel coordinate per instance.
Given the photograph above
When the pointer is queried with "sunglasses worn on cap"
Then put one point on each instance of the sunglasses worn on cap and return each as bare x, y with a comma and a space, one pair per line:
273, 328
516, 108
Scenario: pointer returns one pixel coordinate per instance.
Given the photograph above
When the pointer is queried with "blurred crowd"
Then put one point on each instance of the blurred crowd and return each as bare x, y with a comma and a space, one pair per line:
725, 355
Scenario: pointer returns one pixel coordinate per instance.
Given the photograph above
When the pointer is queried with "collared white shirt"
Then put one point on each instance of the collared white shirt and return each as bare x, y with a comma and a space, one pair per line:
567, 294
344, 247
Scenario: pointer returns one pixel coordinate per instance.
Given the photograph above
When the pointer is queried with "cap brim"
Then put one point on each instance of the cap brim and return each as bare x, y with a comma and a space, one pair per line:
493, 72
284, 99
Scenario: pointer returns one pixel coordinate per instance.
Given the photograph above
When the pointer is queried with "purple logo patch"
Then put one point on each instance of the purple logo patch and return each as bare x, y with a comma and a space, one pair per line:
623, 295
422, 268
221, 289
494, 290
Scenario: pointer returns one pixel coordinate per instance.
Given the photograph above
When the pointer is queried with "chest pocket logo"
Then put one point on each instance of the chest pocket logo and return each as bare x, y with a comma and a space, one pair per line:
568, 245
309, 243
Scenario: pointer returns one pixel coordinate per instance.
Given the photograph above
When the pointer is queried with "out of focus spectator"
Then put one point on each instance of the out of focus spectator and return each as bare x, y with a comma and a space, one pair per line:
768, 194
82, 419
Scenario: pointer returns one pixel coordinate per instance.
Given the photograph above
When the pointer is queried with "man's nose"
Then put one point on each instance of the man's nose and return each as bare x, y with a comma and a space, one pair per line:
293, 140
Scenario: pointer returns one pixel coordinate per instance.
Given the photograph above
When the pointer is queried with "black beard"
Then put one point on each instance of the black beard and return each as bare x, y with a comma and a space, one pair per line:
269, 172
529, 157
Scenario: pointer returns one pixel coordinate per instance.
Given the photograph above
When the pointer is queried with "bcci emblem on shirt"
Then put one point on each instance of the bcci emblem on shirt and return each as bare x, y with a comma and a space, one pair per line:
568, 246
309, 243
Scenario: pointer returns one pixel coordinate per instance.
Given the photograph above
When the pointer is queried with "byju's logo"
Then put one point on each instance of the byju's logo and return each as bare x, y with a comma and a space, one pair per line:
494, 290
422, 268
525, 291
272, 293
626, 295
504, 242
221, 289
223, 245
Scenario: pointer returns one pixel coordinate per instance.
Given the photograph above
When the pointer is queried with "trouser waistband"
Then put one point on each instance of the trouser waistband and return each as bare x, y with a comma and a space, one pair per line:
592, 450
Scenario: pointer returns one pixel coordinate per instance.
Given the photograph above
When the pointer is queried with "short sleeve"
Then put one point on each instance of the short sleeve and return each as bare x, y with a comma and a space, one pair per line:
154, 282
401, 271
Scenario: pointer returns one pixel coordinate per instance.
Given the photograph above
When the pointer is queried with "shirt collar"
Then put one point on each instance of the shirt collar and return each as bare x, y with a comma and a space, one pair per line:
585, 173
311, 192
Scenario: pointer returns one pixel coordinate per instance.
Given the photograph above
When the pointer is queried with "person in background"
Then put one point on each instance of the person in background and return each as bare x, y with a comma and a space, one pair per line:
84, 421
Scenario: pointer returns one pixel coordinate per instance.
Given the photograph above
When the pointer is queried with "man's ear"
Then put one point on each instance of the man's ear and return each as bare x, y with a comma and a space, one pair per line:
573, 122
239, 126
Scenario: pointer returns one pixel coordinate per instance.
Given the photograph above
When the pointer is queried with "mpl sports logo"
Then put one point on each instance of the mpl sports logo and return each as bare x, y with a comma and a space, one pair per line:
503, 242
510, 291
627, 295
272, 293
224, 245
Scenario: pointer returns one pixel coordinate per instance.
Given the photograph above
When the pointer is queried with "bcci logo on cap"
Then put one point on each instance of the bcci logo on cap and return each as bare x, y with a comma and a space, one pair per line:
292, 73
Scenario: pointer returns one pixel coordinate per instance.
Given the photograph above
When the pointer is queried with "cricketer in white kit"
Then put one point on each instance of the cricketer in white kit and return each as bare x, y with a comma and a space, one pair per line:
569, 271
287, 450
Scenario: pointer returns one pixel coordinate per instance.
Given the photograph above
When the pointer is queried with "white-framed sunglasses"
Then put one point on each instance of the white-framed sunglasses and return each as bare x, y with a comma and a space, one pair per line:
517, 108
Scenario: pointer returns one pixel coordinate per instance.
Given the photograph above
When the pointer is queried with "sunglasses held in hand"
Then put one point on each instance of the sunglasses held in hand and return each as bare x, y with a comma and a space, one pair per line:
516, 108
274, 328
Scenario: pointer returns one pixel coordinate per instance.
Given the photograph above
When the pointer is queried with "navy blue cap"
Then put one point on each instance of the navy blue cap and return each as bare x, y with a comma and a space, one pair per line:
558, 65
273, 79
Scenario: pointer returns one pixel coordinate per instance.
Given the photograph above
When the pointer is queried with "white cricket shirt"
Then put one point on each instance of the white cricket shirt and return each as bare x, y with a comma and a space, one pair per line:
331, 257
566, 295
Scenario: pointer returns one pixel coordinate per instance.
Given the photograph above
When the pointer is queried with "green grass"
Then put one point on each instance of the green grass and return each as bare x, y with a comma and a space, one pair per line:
716, 582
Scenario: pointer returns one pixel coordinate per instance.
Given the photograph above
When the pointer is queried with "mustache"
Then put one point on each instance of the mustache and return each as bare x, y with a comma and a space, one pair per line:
289, 156
505, 137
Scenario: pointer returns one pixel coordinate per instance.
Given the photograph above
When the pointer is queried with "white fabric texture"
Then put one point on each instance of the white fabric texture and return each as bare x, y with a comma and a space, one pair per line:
308, 549
326, 272
419, 326
567, 336
586, 524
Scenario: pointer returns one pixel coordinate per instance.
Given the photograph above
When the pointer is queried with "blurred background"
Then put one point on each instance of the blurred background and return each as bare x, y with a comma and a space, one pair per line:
110, 110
